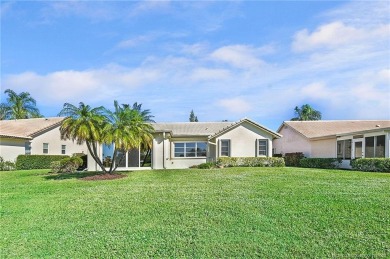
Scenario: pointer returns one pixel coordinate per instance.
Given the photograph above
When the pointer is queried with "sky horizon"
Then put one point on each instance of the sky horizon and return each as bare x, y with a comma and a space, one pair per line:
226, 60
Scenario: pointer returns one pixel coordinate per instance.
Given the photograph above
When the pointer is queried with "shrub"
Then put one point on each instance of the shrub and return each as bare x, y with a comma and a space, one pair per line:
207, 165
28, 162
293, 159
371, 164
6, 165
251, 161
66, 165
325, 163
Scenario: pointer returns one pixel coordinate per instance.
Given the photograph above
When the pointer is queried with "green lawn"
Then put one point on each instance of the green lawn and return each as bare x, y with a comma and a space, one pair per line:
232, 212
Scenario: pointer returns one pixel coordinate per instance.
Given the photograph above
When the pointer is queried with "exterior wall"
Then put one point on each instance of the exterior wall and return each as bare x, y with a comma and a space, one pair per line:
243, 140
53, 138
325, 148
10, 148
163, 156
291, 142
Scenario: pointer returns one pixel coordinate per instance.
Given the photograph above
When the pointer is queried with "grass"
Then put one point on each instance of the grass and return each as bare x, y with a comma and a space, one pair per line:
231, 212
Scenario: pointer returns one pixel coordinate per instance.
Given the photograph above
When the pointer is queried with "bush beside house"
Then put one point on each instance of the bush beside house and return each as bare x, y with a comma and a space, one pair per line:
251, 161
28, 162
371, 164
324, 163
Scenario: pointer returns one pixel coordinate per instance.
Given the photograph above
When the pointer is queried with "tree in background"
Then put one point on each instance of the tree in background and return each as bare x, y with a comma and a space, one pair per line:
306, 113
193, 118
19, 106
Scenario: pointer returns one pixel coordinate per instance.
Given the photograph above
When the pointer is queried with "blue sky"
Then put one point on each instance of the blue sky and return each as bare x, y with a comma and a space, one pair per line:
224, 60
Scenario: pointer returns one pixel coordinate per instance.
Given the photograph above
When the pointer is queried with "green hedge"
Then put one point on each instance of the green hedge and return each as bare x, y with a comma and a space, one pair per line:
28, 162
325, 163
293, 159
251, 161
371, 164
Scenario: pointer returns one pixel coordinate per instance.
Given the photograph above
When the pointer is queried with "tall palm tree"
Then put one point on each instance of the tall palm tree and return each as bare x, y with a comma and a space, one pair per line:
20, 106
306, 113
84, 123
128, 129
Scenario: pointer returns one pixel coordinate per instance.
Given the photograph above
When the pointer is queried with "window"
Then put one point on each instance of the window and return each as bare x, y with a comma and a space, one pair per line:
225, 147
190, 149
375, 146
27, 148
344, 148
45, 148
263, 147
63, 149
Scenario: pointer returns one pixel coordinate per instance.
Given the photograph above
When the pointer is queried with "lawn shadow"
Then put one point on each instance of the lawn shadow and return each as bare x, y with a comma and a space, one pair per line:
76, 175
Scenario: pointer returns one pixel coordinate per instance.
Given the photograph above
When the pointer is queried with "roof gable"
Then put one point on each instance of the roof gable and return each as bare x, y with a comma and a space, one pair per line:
240, 122
325, 129
28, 128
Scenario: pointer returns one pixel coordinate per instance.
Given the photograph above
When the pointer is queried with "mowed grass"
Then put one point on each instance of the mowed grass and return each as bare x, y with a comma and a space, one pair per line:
231, 212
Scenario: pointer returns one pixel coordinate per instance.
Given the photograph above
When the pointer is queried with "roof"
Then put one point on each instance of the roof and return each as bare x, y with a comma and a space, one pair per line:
325, 129
274, 134
27, 128
205, 129
191, 128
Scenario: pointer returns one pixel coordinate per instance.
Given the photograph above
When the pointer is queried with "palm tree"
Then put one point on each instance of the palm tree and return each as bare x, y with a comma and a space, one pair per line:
128, 129
19, 106
306, 113
84, 123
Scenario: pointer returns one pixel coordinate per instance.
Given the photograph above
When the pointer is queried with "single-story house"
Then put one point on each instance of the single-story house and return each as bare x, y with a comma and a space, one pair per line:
184, 144
39, 136
346, 139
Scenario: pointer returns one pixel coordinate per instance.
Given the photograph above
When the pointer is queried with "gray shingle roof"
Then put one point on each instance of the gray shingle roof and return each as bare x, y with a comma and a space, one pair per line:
319, 129
27, 128
191, 128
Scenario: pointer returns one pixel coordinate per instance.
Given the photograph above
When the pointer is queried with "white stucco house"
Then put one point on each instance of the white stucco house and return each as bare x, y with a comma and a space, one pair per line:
184, 144
345, 139
39, 136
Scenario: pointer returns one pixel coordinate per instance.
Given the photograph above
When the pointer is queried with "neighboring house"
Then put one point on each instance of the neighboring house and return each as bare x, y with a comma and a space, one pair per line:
39, 136
335, 139
181, 145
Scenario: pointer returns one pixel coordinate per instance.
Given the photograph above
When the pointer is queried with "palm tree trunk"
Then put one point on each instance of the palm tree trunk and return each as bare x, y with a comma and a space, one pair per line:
147, 154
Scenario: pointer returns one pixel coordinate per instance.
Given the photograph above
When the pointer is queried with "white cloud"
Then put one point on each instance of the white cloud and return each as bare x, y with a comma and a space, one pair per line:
240, 56
235, 105
69, 85
329, 35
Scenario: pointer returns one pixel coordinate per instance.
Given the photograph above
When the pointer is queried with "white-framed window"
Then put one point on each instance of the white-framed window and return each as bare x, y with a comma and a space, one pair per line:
225, 147
45, 148
63, 149
190, 149
27, 148
262, 147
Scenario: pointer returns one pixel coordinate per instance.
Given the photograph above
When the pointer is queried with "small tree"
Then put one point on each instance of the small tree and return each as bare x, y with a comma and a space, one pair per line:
193, 118
19, 106
306, 113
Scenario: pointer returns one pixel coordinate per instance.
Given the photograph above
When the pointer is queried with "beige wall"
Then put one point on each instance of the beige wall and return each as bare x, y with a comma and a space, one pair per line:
10, 148
53, 138
291, 142
243, 140
325, 148
163, 156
